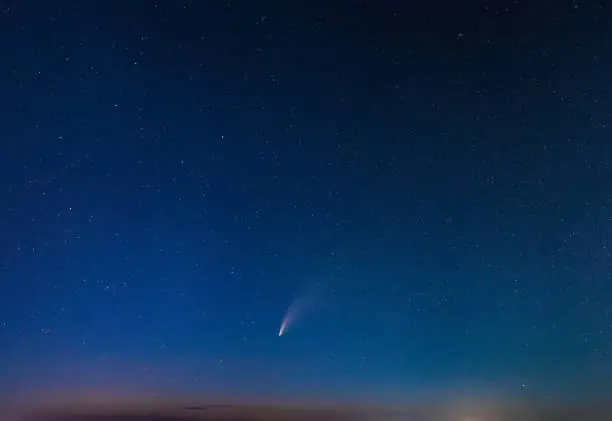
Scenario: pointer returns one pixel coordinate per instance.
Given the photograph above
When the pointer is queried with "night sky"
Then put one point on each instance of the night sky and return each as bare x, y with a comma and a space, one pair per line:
429, 185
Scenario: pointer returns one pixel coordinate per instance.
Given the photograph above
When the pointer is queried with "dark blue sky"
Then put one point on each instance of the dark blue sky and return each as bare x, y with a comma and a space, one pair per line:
435, 179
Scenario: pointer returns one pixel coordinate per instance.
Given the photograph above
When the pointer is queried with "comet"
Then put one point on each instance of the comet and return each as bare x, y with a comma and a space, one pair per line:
289, 317
299, 306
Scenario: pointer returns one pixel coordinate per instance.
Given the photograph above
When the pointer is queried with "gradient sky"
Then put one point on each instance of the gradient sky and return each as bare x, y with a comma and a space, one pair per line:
435, 180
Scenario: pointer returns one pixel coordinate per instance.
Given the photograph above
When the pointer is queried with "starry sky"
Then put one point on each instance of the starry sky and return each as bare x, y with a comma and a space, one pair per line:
430, 183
